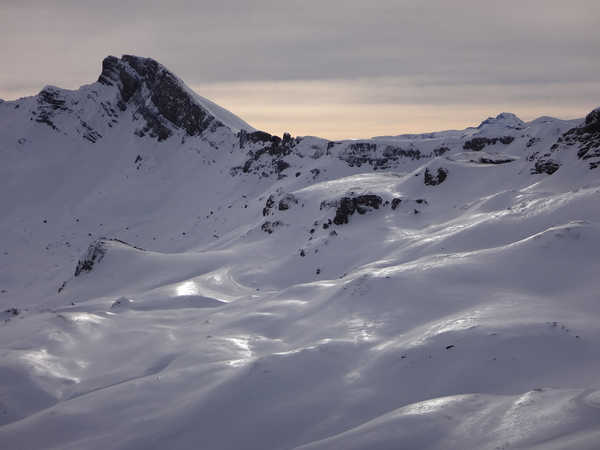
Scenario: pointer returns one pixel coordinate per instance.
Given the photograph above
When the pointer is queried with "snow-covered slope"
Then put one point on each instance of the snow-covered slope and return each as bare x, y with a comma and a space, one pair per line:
172, 278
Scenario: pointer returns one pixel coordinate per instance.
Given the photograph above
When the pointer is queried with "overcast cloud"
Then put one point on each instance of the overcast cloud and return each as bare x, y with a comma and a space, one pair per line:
460, 58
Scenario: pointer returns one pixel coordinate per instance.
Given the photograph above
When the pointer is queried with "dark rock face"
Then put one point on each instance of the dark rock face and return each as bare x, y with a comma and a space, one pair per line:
269, 158
344, 210
142, 86
382, 157
396, 202
255, 137
494, 161
440, 151
479, 143
13, 311
547, 166
268, 205
360, 204
508, 120
95, 253
172, 106
8, 314
287, 139
279, 166
434, 180
269, 227
89, 133
585, 139
287, 202
49, 102
592, 122
377, 156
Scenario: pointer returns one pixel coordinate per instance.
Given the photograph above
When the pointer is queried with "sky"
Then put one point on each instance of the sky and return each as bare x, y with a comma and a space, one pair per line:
330, 68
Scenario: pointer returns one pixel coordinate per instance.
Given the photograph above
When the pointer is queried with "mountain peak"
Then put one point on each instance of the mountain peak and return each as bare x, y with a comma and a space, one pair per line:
592, 121
138, 78
505, 119
130, 68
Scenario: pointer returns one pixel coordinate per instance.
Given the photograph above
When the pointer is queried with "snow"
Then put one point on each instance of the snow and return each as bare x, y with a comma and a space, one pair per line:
221, 114
465, 317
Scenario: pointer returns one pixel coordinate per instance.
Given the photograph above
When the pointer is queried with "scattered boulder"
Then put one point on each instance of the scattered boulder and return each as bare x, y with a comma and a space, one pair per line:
268, 206
121, 303
9, 314
269, 227
287, 202
434, 180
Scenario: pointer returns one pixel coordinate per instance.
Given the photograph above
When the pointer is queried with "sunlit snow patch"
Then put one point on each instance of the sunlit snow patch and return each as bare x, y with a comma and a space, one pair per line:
242, 344
46, 364
188, 287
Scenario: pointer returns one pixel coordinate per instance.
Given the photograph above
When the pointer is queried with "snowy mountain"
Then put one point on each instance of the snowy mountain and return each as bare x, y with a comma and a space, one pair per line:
171, 277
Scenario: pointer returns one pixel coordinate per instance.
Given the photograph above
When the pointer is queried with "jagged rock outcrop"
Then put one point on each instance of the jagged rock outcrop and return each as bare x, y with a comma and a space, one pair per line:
170, 103
49, 101
434, 180
348, 205
53, 102
268, 205
585, 139
396, 201
505, 120
479, 143
379, 157
267, 157
287, 202
547, 166
269, 227
94, 254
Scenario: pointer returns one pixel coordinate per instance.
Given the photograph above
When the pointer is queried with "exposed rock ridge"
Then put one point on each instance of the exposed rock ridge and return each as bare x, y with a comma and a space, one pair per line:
585, 138
171, 104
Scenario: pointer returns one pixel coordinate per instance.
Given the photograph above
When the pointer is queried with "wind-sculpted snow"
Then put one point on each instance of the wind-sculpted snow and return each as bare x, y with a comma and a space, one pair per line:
236, 289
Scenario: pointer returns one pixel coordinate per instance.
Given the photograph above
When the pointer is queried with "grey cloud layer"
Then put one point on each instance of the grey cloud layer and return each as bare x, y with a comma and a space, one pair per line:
440, 43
